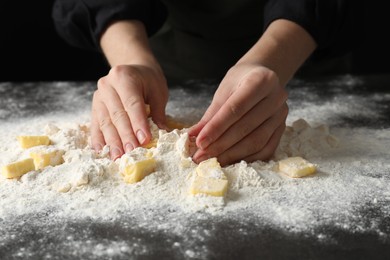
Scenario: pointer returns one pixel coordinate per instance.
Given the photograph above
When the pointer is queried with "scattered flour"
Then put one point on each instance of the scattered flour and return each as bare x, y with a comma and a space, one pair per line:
89, 184
96, 182
350, 191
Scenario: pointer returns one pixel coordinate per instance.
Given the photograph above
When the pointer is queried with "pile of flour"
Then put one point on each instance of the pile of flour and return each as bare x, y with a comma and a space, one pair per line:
89, 185
86, 176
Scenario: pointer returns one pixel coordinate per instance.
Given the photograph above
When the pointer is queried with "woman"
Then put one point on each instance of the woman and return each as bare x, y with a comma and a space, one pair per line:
254, 47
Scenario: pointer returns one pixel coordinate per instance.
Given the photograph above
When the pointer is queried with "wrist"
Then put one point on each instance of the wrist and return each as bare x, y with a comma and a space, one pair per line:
126, 42
283, 48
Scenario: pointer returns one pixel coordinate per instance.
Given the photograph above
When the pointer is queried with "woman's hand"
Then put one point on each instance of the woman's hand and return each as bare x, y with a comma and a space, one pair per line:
246, 118
119, 117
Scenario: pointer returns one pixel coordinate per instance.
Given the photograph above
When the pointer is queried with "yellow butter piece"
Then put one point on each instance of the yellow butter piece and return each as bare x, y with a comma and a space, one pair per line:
17, 169
174, 124
209, 179
209, 186
210, 168
44, 159
151, 144
147, 108
135, 172
27, 141
171, 122
148, 154
296, 167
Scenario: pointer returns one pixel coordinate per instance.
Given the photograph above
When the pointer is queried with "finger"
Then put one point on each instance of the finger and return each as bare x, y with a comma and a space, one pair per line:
251, 144
109, 131
111, 137
220, 97
118, 115
252, 89
130, 92
257, 141
265, 109
268, 151
158, 102
97, 138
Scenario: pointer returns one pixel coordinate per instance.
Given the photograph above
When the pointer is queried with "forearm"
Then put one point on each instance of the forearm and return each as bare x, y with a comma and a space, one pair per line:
283, 48
126, 42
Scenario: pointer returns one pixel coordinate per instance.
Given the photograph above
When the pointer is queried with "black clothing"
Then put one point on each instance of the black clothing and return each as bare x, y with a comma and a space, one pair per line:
203, 38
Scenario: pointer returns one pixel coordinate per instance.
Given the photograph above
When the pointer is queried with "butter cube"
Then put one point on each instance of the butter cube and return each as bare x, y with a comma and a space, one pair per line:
151, 144
296, 167
17, 169
186, 147
209, 186
136, 171
210, 169
174, 124
148, 154
209, 179
27, 141
171, 122
44, 159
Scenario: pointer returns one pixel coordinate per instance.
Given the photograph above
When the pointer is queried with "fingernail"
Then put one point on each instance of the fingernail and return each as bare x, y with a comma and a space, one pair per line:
203, 144
141, 137
129, 148
200, 156
115, 153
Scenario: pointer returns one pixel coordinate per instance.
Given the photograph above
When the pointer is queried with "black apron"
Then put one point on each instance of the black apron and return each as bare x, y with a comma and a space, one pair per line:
203, 38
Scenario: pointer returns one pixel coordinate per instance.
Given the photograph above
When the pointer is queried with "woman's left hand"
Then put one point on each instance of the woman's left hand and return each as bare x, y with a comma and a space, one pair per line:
246, 118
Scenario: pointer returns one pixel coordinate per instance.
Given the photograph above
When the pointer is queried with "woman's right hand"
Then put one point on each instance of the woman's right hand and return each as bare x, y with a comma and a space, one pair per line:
119, 117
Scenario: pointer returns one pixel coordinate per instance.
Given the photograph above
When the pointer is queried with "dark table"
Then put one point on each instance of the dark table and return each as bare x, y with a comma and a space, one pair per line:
223, 238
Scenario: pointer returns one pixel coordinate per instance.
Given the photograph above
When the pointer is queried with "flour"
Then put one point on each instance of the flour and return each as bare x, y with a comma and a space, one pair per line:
94, 186
349, 191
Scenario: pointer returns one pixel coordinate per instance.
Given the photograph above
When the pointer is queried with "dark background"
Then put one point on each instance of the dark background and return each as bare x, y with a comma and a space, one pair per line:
32, 51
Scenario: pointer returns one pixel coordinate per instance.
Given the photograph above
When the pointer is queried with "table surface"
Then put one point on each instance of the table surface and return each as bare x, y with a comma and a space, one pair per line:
229, 239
